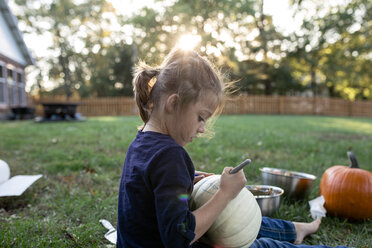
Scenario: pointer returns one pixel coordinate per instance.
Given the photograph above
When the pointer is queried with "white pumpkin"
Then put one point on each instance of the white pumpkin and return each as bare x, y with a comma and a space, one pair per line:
4, 171
238, 224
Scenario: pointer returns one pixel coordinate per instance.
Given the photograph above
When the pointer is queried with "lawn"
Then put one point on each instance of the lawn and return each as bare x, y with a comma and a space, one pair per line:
81, 163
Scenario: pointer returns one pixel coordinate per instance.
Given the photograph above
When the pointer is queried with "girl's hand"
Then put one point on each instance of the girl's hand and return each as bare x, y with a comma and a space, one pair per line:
232, 184
199, 175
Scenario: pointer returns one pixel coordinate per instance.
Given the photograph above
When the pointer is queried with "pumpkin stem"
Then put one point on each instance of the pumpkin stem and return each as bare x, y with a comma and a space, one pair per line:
353, 160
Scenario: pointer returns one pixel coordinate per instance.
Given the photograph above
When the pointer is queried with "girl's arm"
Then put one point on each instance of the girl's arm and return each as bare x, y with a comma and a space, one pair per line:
231, 185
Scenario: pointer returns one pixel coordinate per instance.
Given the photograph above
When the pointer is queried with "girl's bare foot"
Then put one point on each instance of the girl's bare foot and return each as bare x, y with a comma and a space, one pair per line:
303, 229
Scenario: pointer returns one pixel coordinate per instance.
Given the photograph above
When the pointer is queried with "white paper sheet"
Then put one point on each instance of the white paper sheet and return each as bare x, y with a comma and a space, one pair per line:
317, 207
16, 185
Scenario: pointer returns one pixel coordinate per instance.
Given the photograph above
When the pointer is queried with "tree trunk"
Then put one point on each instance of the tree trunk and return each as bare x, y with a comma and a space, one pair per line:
64, 62
261, 27
66, 77
331, 90
313, 80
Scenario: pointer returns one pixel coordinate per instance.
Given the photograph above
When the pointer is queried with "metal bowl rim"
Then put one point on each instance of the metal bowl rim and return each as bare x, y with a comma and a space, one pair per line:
278, 191
295, 174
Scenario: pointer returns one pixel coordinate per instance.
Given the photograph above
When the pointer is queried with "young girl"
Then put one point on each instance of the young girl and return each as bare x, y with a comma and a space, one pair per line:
174, 102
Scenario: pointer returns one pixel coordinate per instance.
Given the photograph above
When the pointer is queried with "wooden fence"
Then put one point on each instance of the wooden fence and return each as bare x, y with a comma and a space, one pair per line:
250, 104
290, 105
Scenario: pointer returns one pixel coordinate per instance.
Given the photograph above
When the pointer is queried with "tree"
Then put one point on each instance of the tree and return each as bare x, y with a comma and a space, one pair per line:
333, 49
347, 62
329, 54
75, 28
264, 72
222, 25
235, 35
111, 73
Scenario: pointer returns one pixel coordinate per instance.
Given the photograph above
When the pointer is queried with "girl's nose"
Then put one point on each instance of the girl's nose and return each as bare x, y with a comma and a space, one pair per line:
201, 129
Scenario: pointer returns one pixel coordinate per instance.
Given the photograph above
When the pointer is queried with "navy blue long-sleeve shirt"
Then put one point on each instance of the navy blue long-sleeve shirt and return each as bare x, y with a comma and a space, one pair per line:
156, 183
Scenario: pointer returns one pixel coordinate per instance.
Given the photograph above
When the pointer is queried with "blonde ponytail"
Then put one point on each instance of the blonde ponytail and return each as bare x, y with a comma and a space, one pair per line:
143, 82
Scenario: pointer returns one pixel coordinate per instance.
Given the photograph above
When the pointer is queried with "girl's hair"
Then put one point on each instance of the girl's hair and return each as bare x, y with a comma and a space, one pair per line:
183, 72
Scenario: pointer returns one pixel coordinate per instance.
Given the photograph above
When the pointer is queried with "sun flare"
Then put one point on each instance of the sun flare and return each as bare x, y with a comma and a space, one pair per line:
188, 41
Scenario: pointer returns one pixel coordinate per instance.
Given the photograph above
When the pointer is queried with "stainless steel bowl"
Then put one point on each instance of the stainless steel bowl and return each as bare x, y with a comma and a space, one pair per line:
267, 196
296, 185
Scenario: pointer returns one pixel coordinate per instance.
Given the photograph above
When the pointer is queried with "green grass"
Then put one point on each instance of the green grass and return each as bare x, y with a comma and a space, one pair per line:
81, 163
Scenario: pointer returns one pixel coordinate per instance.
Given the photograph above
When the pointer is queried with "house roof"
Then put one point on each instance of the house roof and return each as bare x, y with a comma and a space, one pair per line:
12, 23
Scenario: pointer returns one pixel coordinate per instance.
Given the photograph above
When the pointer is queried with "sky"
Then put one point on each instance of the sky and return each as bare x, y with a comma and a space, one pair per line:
282, 15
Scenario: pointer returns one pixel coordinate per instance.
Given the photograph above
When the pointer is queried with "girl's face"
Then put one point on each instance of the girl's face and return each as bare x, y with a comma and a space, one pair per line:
192, 119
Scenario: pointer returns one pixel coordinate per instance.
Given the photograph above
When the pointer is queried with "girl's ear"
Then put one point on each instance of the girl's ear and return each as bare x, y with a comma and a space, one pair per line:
172, 103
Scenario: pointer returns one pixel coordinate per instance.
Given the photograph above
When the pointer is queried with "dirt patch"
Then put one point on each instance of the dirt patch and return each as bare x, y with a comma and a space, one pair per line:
9, 203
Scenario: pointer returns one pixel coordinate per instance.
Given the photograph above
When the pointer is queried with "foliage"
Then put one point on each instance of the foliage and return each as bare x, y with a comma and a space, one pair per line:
82, 161
111, 73
333, 50
84, 59
94, 47
329, 55
233, 34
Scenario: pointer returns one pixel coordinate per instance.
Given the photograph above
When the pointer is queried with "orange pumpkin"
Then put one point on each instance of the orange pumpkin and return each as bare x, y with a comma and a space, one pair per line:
347, 190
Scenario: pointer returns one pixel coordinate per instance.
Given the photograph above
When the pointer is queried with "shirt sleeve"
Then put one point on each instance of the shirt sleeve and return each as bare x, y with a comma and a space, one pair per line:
171, 178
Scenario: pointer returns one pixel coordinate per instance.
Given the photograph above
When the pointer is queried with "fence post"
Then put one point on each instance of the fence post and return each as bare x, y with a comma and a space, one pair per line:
281, 105
350, 108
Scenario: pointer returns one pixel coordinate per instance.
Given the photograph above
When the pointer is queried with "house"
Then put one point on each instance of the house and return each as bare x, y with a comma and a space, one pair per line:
14, 58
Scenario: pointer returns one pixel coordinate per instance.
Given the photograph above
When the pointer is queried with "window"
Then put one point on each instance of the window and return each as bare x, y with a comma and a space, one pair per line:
10, 76
19, 77
2, 84
12, 87
21, 89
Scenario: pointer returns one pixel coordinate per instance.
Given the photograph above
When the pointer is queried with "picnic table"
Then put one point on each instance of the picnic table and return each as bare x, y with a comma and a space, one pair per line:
22, 113
54, 111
